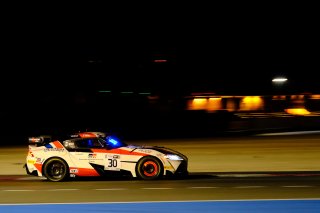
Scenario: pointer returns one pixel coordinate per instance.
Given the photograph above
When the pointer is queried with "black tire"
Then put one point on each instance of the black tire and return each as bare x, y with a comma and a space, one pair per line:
149, 168
56, 169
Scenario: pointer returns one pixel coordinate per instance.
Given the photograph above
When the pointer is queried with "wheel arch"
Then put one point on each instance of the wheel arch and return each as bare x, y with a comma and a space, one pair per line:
162, 170
57, 158
53, 157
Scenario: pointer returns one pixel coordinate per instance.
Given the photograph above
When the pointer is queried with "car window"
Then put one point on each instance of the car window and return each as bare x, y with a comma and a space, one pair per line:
89, 143
96, 143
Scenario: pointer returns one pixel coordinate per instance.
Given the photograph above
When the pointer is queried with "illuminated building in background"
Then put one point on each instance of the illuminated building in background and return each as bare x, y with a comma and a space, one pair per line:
252, 103
229, 103
281, 98
299, 104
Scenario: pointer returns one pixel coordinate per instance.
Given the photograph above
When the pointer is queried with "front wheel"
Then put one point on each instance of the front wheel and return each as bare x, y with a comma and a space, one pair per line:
149, 168
56, 169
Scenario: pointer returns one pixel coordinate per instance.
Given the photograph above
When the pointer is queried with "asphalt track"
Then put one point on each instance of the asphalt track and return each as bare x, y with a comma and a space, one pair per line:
255, 154
260, 155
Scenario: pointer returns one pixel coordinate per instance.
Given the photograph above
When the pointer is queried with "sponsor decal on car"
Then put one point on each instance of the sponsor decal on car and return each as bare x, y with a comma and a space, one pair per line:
148, 151
92, 155
31, 161
54, 150
74, 170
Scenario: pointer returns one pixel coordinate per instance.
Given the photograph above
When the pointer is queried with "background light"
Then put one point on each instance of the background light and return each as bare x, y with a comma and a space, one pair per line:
279, 79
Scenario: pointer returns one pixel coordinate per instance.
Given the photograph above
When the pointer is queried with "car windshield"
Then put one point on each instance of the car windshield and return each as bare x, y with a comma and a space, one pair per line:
114, 142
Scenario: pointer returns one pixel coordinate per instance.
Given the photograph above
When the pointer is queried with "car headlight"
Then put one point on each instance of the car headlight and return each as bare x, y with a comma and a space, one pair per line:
173, 157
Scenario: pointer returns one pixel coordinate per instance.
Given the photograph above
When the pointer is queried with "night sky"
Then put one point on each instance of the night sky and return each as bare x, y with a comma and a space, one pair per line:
218, 48
54, 55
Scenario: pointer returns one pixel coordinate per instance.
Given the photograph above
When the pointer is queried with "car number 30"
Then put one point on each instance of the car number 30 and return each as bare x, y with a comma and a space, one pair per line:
112, 162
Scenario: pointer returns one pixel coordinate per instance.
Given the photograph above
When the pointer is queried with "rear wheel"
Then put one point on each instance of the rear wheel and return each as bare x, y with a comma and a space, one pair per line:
56, 169
149, 168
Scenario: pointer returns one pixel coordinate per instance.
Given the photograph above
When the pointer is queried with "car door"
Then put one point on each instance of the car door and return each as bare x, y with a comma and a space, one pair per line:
93, 153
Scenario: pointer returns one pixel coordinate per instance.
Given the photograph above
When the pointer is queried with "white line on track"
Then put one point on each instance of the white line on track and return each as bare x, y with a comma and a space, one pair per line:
31, 178
243, 175
248, 187
110, 189
290, 133
203, 187
157, 188
162, 188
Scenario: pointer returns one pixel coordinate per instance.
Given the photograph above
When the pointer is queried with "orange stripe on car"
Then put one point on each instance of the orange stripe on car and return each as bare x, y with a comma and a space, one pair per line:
57, 144
85, 172
38, 166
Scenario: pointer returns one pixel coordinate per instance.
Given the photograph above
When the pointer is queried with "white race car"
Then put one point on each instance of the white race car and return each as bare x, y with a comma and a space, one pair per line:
88, 154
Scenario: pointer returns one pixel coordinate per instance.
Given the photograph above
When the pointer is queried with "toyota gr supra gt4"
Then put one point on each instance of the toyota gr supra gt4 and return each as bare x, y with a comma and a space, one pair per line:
89, 154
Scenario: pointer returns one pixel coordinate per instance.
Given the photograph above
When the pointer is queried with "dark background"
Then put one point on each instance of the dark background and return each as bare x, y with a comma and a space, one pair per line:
56, 57
116, 44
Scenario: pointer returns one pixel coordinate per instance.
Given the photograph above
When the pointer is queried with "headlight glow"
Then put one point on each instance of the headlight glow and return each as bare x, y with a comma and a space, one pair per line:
173, 157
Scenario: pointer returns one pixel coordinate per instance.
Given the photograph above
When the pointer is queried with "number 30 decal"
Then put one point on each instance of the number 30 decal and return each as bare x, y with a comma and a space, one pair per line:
112, 162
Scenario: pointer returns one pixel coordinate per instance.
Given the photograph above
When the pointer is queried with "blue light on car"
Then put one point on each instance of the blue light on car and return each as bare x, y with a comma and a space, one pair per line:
113, 141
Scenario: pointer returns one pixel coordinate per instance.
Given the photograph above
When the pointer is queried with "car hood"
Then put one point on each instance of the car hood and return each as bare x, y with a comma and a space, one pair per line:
164, 150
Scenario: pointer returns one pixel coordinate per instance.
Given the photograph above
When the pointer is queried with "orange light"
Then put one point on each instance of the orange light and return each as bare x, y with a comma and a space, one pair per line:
197, 104
297, 111
251, 103
160, 60
214, 104
315, 96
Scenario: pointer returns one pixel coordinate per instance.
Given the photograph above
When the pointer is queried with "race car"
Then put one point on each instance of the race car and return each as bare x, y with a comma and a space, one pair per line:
89, 154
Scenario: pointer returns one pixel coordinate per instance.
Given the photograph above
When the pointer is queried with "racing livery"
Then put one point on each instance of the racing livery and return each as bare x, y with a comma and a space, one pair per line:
98, 154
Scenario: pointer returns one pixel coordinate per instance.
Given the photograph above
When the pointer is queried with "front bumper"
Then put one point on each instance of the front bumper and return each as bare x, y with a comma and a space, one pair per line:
181, 171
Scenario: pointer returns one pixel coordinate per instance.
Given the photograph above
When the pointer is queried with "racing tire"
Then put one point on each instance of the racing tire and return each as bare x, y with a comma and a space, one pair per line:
149, 168
56, 169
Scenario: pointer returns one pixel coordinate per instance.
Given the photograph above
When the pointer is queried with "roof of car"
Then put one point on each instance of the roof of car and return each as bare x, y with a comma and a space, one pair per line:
88, 135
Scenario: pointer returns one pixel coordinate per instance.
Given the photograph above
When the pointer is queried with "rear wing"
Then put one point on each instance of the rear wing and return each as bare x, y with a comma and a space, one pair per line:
39, 140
